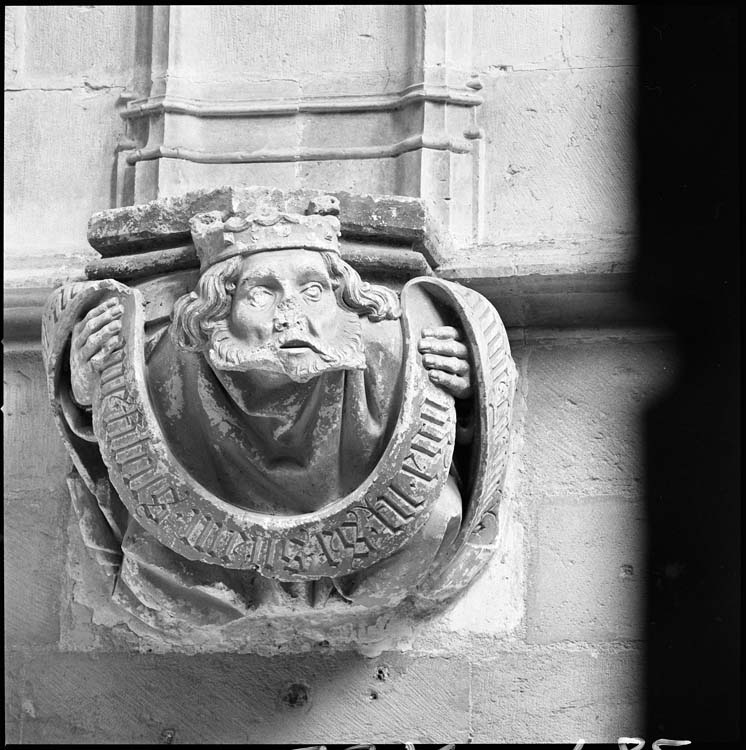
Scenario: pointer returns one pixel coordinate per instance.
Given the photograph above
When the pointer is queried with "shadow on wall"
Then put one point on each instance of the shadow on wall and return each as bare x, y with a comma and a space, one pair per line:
688, 270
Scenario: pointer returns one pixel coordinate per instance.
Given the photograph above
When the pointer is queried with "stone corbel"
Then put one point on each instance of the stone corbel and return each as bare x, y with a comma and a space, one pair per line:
333, 467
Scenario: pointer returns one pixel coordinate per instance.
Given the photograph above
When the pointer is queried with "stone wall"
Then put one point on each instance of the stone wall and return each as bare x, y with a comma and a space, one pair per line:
548, 644
559, 93
65, 71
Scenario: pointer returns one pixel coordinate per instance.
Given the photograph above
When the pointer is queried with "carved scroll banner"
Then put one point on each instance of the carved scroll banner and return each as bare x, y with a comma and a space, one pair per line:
494, 382
355, 532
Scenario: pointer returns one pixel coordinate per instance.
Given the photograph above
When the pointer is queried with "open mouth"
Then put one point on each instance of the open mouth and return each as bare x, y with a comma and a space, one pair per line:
297, 346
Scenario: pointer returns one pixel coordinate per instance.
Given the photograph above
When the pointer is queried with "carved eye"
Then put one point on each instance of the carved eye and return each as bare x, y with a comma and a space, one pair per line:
260, 296
313, 292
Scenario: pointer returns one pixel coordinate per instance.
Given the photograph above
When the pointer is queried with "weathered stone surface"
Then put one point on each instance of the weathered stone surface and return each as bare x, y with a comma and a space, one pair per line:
588, 571
144, 264
553, 283
529, 37
36, 460
35, 504
95, 44
33, 573
246, 699
502, 584
599, 35
13, 34
375, 176
88, 127
532, 696
555, 175
378, 38
14, 672
171, 177
364, 257
564, 301
13, 733
22, 311
584, 405
559, 696
166, 222
369, 258
517, 36
150, 225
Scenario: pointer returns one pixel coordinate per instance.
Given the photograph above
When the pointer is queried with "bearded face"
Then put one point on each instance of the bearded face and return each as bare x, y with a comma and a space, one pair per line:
285, 320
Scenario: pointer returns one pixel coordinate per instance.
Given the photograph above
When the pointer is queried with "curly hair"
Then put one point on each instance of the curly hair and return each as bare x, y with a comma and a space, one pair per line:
198, 313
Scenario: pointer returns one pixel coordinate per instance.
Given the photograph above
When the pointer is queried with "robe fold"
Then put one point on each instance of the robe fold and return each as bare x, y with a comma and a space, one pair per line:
288, 450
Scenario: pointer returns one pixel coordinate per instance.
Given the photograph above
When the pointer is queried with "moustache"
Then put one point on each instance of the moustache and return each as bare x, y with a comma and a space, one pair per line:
295, 350
301, 344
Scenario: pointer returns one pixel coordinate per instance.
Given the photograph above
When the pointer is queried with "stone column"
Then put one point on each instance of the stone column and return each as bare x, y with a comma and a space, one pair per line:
371, 99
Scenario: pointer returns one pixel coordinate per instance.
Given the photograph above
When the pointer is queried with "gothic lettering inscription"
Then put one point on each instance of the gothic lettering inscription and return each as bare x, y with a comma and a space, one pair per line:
179, 511
499, 386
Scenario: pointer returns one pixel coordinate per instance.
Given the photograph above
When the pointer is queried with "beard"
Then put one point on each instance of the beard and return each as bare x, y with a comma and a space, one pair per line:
345, 352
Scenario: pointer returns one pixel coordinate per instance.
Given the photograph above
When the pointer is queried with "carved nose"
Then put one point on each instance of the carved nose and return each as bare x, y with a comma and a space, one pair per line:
287, 315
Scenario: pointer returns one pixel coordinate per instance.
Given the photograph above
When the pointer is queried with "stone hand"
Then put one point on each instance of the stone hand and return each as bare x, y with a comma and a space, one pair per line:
447, 359
93, 339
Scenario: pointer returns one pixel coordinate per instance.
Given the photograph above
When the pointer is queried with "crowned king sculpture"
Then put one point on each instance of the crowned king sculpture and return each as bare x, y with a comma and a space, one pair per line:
288, 437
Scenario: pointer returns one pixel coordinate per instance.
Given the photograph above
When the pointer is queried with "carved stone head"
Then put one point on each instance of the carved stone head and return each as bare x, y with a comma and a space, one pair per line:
275, 297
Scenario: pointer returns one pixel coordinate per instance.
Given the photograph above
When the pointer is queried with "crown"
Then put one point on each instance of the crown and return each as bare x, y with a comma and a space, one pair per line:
218, 237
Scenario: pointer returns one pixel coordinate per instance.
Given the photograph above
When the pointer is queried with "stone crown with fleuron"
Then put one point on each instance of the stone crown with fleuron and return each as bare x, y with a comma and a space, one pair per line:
218, 238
